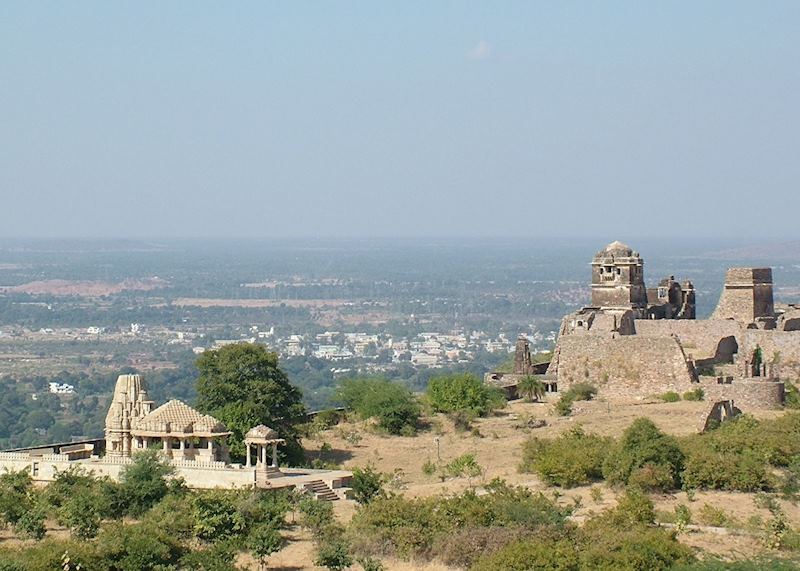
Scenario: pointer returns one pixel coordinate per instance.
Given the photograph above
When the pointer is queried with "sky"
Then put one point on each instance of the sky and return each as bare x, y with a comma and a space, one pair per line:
400, 119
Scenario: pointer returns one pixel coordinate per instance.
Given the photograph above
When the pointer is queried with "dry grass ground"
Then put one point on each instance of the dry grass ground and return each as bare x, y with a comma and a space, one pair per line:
497, 447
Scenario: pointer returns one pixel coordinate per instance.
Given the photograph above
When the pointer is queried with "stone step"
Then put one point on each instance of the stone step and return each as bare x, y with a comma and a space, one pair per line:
321, 490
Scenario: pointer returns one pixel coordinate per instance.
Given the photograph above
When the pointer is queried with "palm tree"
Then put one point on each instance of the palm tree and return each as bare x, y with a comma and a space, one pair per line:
531, 387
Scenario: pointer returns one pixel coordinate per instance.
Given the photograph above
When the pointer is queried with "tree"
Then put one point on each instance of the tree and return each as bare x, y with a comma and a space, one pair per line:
143, 483
334, 554
217, 515
243, 386
645, 456
531, 387
16, 494
264, 541
367, 484
81, 513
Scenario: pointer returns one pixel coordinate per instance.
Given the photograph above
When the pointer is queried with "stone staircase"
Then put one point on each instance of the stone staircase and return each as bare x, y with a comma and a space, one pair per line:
321, 490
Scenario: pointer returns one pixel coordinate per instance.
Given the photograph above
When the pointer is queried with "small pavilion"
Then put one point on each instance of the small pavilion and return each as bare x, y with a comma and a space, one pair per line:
261, 437
185, 434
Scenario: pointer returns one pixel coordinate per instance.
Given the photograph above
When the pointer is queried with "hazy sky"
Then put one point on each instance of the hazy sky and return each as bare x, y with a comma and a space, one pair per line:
376, 118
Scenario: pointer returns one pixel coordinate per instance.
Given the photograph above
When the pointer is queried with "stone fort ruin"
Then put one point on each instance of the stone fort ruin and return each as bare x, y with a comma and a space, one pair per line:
635, 342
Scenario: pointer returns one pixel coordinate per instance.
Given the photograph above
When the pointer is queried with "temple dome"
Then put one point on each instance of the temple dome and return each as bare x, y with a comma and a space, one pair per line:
617, 249
178, 417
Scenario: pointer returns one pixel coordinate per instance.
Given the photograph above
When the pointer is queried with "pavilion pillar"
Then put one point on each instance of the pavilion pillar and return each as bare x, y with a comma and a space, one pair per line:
183, 448
274, 454
247, 455
263, 454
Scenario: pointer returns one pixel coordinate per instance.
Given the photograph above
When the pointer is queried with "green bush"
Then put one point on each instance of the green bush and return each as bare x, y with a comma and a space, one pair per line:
694, 395
367, 484
334, 554
572, 459
578, 391
315, 515
670, 396
712, 515
645, 456
639, 548
563, 406
17, 496
463, 392
392, 404
530, 555
707, 468
581, 391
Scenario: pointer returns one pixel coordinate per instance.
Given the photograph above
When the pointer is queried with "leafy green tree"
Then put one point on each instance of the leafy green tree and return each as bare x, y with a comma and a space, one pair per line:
82, 513
243, 386
217, 516
463, 392
31, 524
334, 554
16, 495
646, 454
264, 541
140, 546
367, 484
532, 388
143, 483
315, 515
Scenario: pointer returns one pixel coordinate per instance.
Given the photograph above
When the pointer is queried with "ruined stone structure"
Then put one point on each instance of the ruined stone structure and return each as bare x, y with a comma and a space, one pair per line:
747, 297
194, 444
523, 366
636, 342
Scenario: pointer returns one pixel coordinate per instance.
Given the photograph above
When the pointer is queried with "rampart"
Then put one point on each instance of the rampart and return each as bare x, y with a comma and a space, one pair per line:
748, 394
704, 339
625, 366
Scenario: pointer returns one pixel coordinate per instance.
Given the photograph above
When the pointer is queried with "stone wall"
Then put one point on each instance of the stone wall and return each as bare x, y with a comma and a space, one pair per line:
700, 339
625, 366
780, 348
748, 394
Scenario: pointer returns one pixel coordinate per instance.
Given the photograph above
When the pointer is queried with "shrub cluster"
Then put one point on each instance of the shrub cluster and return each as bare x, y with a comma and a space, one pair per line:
417, 527
392, 404
463, 392
175, 528
572, 459
645, 457
743, 454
